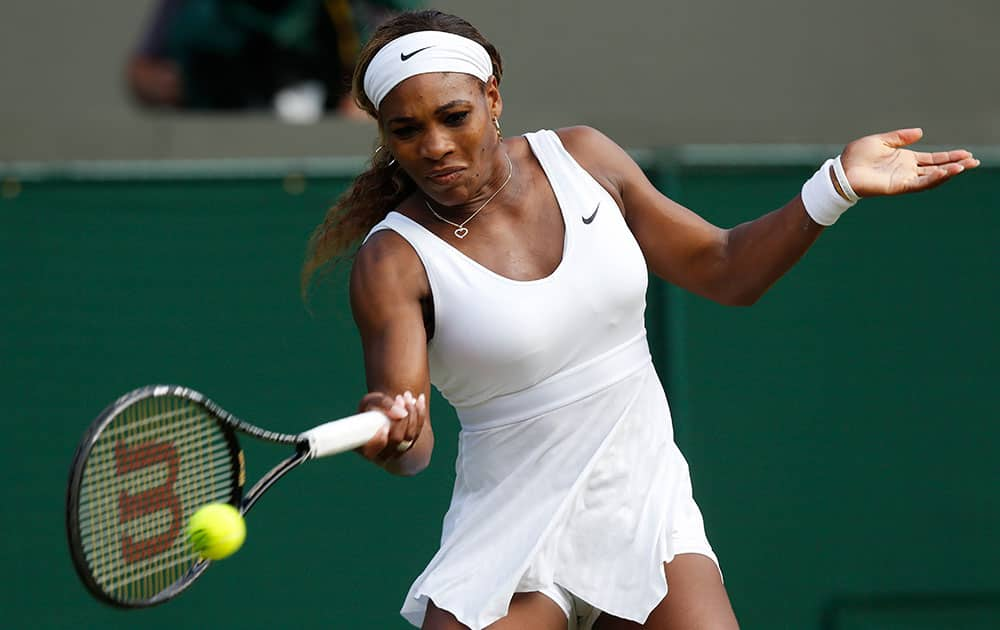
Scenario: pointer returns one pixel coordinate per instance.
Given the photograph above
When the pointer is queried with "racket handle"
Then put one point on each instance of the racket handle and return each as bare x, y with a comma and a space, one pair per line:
344, 434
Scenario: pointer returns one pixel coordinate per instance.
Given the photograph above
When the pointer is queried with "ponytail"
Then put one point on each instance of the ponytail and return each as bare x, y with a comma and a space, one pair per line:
369, 199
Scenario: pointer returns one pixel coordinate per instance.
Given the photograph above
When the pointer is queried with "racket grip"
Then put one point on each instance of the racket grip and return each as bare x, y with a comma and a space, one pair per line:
344, 434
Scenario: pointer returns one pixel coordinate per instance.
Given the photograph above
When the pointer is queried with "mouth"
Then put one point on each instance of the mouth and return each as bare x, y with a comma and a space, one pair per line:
445, 176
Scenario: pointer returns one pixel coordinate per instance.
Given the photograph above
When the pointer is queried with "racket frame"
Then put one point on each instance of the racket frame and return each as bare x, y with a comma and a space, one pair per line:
243, 502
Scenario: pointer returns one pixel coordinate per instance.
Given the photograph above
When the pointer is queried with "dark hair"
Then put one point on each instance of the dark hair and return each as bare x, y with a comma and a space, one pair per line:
382, 187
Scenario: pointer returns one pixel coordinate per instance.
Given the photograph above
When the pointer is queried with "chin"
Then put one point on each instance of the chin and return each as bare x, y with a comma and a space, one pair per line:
454, 195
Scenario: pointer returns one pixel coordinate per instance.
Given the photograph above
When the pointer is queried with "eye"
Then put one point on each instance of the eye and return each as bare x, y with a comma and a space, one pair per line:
456, 118
404, 132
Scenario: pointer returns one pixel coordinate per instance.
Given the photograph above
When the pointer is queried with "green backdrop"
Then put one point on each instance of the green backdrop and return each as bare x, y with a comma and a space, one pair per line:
841, 432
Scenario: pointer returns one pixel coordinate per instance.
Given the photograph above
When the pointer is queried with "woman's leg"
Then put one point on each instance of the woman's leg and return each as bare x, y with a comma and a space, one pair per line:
527, 611
696, 600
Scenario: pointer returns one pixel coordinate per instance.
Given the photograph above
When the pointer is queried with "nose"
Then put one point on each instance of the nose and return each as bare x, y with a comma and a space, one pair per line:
436, 144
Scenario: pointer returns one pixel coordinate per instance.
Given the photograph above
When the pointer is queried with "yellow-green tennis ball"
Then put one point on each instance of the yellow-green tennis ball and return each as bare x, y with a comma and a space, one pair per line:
216, 531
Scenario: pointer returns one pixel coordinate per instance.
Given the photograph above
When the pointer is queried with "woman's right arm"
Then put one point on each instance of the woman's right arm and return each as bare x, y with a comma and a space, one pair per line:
388, 287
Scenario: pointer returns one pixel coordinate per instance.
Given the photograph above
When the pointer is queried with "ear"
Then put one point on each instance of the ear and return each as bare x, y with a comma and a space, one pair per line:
493, 98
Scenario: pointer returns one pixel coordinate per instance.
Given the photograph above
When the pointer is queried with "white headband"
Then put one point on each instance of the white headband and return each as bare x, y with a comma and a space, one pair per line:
420, 53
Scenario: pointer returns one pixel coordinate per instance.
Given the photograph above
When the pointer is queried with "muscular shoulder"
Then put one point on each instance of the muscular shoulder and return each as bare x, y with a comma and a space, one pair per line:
583, 138
387, 270
600, 156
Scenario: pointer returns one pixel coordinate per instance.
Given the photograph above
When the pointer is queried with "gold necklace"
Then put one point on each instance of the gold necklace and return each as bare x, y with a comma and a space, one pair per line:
460, 230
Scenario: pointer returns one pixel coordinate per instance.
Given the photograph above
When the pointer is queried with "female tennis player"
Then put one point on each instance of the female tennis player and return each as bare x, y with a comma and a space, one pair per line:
511, 273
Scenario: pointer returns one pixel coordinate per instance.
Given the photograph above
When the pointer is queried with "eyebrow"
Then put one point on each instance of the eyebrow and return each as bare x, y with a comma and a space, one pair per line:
443, 108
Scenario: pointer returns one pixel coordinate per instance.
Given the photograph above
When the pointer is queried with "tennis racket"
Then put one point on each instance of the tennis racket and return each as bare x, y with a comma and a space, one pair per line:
147, 463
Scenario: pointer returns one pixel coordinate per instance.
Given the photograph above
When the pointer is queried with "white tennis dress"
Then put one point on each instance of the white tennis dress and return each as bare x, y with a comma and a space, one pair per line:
567, 475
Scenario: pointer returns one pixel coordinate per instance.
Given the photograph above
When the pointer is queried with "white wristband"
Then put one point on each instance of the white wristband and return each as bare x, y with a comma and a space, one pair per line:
821, 199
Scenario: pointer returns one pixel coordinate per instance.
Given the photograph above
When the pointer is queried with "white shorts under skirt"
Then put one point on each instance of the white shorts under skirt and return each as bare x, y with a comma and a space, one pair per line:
689, 537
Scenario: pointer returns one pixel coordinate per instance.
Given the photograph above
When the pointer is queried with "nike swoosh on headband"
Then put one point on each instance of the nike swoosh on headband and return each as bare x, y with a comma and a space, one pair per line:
590, 219
404, 57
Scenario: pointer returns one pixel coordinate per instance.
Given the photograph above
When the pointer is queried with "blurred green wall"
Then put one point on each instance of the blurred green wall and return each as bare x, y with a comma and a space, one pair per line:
841, 432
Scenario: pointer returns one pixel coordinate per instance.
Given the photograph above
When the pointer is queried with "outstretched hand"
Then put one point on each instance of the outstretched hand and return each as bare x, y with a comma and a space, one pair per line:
879, 165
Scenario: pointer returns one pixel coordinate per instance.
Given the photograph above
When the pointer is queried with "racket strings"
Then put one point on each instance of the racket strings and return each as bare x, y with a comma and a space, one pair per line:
217, 450
156, 462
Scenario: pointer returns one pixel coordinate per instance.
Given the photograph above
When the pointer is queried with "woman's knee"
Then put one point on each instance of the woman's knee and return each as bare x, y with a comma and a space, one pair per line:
439, 619
696, 597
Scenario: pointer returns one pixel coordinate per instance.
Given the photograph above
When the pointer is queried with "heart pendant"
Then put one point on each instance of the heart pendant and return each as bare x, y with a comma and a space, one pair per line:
461, 232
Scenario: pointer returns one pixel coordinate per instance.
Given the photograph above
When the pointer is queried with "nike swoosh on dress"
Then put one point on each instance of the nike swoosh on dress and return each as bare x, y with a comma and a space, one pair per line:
590, 219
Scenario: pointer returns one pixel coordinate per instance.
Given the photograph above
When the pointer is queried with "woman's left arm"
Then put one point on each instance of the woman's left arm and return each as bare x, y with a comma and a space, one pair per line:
736, 266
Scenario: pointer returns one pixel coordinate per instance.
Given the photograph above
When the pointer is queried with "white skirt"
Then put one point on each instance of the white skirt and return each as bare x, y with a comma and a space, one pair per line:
592, 497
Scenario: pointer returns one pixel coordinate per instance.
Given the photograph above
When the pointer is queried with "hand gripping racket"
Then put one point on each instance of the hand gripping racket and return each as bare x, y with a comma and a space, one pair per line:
147, 463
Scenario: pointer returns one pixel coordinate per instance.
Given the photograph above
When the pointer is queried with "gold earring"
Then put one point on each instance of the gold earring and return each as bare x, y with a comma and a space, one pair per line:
391, 162
496, 123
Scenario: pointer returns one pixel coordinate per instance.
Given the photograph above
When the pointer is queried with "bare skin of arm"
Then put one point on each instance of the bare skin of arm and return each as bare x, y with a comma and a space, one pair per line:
388, 283
736, 266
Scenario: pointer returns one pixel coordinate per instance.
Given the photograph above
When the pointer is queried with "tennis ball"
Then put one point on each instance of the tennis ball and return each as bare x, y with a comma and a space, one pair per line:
216, 531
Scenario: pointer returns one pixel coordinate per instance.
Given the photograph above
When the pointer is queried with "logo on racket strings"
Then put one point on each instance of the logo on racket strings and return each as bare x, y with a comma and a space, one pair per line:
130, 459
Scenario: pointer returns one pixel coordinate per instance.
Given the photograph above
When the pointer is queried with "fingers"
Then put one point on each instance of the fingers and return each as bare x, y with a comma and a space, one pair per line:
371, 449
904, 137
377, 401
407, 415
417, 416
401, 430
947, 157
931, 176
947, 170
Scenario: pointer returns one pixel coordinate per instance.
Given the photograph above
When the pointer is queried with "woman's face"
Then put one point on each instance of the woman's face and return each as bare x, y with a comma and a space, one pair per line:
439, 127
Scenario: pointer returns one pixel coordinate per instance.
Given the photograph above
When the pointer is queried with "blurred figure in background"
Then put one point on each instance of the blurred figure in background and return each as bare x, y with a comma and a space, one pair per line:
293, 56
